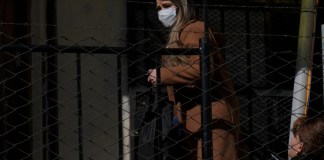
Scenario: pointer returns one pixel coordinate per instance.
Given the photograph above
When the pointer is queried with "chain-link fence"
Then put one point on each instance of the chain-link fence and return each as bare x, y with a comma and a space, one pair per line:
74, 83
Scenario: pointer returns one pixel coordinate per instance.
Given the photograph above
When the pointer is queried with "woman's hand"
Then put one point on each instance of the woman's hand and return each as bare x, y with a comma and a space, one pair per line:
152, 76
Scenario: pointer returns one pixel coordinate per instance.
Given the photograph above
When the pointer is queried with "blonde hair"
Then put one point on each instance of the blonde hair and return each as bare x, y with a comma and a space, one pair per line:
185, 14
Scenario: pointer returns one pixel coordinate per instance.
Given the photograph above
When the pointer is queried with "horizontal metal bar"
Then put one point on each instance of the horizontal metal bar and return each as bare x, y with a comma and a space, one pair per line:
96, 49
234, 4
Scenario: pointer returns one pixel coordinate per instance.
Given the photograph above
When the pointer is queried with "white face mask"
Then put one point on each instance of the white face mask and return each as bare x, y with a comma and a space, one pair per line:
167, 16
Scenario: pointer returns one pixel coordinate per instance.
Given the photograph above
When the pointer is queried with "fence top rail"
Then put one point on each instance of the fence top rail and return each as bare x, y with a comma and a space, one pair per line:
235, 5
96, 49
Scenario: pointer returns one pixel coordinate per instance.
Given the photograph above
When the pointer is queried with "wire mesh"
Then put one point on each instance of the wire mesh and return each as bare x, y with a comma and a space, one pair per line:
74, 82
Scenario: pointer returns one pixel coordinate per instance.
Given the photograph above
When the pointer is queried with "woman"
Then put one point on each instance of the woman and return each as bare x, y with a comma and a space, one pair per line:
308, 140
181, 75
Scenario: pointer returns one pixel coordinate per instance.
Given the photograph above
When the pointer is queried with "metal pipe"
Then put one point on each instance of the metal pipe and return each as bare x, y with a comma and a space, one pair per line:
322, 33
304, 61
80, 109
94, 49
50, 92
206, 110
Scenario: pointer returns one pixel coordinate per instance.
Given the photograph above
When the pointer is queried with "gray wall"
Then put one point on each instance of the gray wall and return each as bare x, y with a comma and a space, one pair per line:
82, 23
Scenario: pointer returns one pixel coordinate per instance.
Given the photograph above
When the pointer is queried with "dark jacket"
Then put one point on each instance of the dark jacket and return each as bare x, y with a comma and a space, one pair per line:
307, 157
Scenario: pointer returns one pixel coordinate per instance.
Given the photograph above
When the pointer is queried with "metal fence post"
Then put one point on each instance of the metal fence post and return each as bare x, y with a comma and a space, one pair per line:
322, 34
50, 89
304, 61
206, 103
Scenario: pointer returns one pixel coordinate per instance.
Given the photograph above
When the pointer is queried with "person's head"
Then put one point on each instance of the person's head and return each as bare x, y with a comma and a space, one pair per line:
308, 137
175, 13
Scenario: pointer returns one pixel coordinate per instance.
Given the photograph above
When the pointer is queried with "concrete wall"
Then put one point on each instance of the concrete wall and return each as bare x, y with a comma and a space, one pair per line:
82, 23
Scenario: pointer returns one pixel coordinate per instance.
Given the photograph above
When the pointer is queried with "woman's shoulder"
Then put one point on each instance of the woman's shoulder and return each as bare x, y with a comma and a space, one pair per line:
195, 25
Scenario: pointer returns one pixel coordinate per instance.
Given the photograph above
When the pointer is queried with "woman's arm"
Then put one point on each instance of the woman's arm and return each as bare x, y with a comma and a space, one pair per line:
181, 74
186, 74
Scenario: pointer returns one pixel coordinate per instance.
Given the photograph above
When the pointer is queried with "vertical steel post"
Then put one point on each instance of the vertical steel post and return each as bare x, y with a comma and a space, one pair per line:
50, 92
304, 61
80, 109
322, 35
206, 103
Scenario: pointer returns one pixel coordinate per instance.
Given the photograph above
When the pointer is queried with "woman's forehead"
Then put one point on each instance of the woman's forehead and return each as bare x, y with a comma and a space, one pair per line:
163, 1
